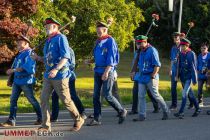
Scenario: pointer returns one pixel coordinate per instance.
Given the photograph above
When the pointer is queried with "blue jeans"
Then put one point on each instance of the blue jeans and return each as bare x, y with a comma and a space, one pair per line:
107, 91
174, 92
187, 90
135, 98
74, 97
153, 88
28, 92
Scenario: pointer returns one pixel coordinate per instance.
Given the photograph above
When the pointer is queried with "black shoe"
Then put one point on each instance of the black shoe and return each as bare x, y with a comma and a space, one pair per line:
165, 116
179, 115
132, 113
208, 112
38, 122
8, 123
53, 120
94, 123
139, 119
122, 116
91, 116
156, 110
173, 107
190, 106
196, 113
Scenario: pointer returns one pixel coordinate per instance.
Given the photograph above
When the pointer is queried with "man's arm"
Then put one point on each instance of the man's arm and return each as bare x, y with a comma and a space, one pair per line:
156, 70
60, 65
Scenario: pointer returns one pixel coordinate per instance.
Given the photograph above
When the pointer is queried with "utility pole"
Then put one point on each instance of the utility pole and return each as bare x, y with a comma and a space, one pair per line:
180, 16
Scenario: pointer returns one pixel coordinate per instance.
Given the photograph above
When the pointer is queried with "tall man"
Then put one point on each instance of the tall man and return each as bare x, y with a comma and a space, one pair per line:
188, 76
149, 66
23, 69
56, 76
202, 69
106, 58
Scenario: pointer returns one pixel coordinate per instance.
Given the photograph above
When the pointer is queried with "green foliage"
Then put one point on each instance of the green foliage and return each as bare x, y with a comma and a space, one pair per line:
196, 11
83, 35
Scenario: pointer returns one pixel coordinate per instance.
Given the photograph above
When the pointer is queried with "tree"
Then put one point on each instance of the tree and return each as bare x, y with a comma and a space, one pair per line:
82, 37
12, 26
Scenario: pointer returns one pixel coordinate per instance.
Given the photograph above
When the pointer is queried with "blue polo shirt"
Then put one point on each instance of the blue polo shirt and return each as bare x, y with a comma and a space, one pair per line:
55, 49
105, 54
203, 63
173, 57
187, 67
24, 61
148, 59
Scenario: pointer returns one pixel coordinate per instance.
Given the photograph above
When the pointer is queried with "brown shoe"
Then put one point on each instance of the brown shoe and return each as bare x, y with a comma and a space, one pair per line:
38, 122
78, 125
44, 129
8, 123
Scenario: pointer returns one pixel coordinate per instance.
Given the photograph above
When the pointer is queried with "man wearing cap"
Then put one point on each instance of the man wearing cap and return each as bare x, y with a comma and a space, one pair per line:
106, 58
135, 77
23, 69
202, 69
188, 76
174, 57
56, 76
149, 66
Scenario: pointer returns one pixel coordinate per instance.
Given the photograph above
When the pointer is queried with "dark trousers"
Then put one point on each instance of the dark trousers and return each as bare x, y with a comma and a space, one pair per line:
74, 97
200, 90
135, 98
107, 92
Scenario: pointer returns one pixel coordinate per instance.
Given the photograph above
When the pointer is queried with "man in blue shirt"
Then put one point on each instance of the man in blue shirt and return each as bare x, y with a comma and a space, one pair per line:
135, 77
56, 76
149, 66
73, 93
23, 69
188, 76
202, 69
106, 58
174, 57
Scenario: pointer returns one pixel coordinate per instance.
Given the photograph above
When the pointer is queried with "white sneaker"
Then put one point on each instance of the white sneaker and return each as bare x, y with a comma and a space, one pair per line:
201, 104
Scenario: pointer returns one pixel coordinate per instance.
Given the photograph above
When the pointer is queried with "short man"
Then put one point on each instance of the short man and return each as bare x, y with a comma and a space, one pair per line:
174, 57
57, 61
202, 69
188, 75
74, 96
23, 69
135, 78
106, 58
149, 66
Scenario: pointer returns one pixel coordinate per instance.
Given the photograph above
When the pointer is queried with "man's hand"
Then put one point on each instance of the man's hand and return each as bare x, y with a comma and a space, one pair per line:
132, 74
10, 71
19, 69
153, 76
105, 76
53, 73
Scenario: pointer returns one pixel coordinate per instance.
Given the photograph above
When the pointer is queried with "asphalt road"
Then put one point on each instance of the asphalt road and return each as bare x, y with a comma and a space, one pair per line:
153, 128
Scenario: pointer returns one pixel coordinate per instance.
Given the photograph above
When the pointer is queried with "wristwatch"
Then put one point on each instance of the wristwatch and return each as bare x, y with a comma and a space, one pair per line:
14, 70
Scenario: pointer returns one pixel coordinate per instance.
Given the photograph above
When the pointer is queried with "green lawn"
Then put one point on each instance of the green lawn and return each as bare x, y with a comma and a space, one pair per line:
84, 85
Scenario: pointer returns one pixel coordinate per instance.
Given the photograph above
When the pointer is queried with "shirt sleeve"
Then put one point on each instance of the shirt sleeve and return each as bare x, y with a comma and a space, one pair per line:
112, 52
194, 65
155, 58
64, 47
